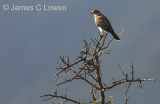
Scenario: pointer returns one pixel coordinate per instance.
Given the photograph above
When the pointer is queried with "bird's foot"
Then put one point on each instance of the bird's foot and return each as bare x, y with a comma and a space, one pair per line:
101, 35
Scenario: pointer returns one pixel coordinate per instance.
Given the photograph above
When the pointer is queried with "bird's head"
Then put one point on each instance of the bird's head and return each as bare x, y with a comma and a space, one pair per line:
95, 12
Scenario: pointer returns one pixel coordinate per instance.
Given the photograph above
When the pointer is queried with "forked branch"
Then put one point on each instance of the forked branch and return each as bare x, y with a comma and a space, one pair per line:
87, 67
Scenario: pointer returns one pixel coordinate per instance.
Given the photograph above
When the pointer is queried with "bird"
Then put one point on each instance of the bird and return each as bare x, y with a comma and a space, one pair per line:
103, 23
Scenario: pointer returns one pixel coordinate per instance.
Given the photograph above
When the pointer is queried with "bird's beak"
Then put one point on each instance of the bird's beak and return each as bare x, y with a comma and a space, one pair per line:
92, 12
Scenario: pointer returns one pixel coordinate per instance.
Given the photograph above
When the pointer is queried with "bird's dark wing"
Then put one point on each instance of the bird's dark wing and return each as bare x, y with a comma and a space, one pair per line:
107, 25
103, 22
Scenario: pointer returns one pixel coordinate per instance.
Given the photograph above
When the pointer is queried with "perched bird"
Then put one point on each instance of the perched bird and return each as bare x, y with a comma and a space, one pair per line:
103, 23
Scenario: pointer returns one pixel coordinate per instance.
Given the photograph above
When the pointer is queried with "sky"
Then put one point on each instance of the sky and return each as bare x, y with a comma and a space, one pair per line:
32, 41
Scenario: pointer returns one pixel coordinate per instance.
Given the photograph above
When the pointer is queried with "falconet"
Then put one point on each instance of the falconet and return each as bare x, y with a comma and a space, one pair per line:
103, 24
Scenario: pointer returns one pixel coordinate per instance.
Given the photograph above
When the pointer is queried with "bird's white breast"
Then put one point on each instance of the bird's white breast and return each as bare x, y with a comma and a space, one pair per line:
100, 29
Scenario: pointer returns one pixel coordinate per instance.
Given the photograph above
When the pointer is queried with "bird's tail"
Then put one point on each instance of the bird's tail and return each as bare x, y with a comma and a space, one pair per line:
115, 36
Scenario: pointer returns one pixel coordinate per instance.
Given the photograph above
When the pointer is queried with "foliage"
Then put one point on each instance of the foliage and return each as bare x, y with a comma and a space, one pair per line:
111, 99
97, 102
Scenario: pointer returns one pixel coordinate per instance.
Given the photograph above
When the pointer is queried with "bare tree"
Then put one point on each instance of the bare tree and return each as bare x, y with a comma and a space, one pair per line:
89, 71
